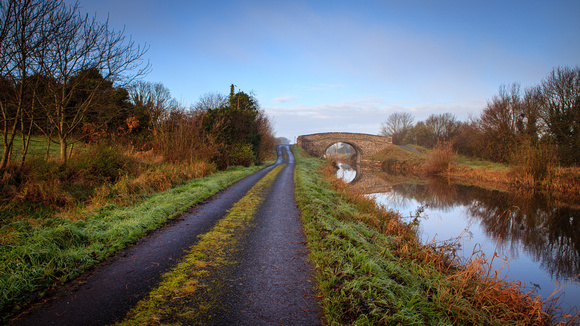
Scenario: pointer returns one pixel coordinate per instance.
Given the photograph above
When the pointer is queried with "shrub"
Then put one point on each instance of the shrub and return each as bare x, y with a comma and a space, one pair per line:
440, 159
36, 181
532, 163
242, 155
101, 163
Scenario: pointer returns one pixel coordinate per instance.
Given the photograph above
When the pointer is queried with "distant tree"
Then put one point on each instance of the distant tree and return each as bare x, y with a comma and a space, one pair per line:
500, 123
469, 139
437, 128
420, 134
444, 126
282, 141
397, 126
211, 101
153, 104
241, 127
530, 124
560, 111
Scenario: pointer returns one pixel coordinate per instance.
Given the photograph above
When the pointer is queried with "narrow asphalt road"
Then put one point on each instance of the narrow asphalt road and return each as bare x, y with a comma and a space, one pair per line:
272, 284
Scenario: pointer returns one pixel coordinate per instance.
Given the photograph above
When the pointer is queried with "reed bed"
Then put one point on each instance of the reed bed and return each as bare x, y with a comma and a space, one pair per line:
531, 171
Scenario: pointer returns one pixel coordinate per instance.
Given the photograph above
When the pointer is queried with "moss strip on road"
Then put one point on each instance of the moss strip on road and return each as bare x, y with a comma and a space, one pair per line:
186, 294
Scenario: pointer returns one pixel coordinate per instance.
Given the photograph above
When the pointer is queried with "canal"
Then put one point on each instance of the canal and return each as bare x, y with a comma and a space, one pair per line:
535, 239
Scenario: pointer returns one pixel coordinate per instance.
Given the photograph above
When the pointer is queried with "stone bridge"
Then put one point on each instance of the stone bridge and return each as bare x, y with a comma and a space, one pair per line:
365, 145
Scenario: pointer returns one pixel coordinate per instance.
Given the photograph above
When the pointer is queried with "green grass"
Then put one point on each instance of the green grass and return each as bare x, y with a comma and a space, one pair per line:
370, 276
475, 163
362, 283
470, 162
44, 253
37, 147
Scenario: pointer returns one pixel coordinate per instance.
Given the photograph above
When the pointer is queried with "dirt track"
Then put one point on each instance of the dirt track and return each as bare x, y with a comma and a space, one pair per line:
271, 284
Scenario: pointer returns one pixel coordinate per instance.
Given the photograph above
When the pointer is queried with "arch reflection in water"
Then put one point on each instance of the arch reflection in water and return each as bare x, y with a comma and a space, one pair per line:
541, 241
364, 180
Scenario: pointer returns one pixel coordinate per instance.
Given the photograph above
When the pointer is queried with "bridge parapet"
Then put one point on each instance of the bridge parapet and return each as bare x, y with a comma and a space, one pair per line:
365, 145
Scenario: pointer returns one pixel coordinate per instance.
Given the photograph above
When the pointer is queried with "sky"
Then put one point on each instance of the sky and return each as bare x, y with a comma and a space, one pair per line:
323, 66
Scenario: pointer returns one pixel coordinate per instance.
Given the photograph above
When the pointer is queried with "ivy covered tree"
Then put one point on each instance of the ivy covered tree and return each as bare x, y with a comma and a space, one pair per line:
236, 127
108, 112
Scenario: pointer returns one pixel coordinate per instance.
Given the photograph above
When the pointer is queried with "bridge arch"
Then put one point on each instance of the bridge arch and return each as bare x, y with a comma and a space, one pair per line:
365, 145
349, 144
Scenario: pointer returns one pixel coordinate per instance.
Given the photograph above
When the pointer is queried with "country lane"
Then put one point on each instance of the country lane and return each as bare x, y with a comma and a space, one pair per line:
260, 276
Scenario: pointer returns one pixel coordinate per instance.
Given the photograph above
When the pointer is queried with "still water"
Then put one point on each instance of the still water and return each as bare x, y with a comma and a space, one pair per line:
538, 242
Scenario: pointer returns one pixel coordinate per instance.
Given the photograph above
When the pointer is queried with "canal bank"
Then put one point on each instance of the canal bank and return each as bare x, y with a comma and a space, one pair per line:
531, 227
561, 184
371, 268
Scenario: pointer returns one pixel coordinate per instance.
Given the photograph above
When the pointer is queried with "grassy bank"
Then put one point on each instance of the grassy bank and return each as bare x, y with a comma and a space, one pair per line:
40, 251
560, 183
371, 270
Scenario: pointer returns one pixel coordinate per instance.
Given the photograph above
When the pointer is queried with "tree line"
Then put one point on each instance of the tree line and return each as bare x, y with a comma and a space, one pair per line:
71, 78
541, 122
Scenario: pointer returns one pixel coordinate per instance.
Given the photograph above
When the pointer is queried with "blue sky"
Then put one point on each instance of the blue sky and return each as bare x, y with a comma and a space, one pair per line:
319, 66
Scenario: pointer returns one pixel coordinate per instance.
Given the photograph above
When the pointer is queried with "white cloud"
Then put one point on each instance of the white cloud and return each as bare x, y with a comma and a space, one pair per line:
363, 115
284, 99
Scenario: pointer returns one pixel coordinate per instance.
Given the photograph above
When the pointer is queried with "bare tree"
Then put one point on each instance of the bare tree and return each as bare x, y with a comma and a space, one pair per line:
438, 127
25, 30
500, 123
81, 45
444, 126
210, 101
530, 124
397, 125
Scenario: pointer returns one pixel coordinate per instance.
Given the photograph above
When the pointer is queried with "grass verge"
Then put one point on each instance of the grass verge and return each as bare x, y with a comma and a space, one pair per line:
58, 249
190, 292
371, 269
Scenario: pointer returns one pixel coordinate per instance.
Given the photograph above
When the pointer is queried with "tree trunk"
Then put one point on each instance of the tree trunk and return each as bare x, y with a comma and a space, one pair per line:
63, 150
8, 143
5, 157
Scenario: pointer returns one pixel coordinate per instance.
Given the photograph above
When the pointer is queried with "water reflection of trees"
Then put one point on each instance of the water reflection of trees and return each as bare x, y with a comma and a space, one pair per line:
526, 222
435, 193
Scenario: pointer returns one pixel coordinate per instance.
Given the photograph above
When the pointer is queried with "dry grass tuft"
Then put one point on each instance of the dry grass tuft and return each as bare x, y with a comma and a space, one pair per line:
130, 189
146, 157
440, 159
